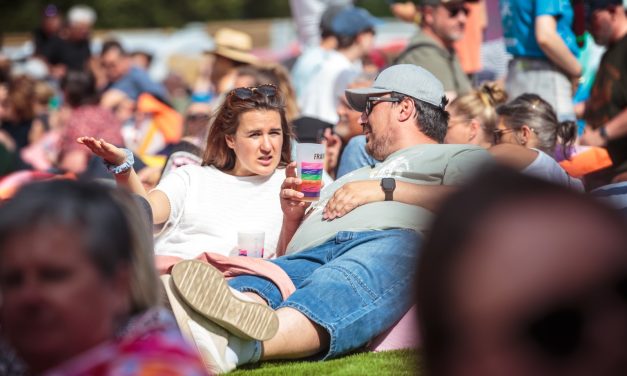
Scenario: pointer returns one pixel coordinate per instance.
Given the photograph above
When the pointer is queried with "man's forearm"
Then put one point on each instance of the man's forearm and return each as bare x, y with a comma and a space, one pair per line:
429, 197
617, 126
554, 47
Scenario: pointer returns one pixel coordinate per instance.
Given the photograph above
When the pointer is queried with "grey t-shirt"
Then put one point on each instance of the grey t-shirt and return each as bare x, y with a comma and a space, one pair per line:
444, 64
432, 164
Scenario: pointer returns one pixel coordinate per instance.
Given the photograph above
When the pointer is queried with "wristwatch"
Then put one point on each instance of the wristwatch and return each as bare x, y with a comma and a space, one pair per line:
388, 185
603, 133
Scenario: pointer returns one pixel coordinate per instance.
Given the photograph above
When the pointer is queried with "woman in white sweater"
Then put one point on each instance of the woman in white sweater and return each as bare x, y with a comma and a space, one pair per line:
202, 208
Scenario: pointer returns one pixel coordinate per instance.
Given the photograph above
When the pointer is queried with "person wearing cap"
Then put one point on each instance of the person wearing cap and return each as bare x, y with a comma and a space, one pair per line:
606, 108
442, 23
308, 15
539, 35
354, 29
351, 258
232, 50
314, 57
73, 51
47, 31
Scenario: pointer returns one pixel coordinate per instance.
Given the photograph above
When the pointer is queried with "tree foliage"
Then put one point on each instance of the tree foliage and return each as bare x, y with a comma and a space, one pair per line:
22, 15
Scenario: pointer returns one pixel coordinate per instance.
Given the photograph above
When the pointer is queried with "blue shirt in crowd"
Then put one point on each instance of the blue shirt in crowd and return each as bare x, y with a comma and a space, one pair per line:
519, 25
137, 81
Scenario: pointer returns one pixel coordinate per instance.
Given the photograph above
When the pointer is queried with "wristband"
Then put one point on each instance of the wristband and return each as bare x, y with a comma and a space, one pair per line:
603, 133
125, 166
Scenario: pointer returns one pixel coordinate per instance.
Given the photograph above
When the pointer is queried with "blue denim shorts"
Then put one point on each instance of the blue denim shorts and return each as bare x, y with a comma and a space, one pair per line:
355, 285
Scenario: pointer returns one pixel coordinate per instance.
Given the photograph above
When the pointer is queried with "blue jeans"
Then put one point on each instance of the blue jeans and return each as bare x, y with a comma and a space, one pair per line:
355, 285
355, 156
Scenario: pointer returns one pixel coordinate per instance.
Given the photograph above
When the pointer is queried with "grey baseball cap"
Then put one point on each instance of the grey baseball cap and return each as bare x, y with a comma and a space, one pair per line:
406, 79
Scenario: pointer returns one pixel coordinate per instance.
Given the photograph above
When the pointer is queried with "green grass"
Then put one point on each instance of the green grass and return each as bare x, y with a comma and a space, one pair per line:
401, 362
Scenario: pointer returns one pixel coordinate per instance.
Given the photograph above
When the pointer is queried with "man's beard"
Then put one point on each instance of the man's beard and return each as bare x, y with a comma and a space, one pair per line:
378, 146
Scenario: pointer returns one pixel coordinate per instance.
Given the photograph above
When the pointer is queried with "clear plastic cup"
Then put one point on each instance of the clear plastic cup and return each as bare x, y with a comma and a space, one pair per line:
310, 164
250, 243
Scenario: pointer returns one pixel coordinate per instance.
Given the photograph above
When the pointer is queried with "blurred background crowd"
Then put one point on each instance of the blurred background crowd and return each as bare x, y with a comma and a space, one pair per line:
549, 76
152, 89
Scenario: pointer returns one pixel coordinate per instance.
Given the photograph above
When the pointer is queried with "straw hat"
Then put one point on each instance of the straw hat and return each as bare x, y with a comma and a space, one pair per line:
234, 45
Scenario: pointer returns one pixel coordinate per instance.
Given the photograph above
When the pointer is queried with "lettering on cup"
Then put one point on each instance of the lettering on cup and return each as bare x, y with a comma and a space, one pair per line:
319, 156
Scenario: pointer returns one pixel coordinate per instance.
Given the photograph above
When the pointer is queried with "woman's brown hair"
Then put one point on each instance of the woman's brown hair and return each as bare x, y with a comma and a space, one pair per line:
217, 153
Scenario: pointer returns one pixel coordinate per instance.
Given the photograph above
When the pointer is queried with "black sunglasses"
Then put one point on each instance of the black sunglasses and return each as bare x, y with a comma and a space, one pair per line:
244, 93
454, 11
557, 332
498, 134
198, 117
373, 101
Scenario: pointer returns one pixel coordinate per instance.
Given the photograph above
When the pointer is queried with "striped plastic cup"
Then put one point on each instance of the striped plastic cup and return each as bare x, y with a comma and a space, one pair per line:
310, 163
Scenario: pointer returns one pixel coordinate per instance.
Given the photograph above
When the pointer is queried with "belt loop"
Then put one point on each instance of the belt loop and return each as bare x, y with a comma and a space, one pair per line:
343, 236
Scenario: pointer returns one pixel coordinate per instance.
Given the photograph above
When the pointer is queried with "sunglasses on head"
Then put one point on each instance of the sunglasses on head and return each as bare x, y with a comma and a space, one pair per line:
558, 331
453, 11
244, 93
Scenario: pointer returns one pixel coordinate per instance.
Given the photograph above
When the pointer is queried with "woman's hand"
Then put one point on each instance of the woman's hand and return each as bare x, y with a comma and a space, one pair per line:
352, 195
104, 150
291, 204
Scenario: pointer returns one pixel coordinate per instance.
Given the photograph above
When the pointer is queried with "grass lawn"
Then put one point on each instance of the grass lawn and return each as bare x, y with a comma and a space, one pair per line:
401, 362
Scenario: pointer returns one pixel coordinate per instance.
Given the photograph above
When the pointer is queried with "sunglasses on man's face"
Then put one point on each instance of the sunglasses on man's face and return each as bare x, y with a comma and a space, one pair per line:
453, 11
558, 331
244, 93
498, 135
373, 101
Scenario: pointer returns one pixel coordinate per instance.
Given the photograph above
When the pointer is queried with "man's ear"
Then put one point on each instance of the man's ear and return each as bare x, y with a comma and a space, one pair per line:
407, 107
426, 15
230, 141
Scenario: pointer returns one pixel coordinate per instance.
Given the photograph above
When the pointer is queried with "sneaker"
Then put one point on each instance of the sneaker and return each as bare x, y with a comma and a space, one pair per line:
209, 339
204, 288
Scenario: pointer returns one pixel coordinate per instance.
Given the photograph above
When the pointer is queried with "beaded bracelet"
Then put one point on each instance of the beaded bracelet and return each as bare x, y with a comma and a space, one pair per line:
124, 167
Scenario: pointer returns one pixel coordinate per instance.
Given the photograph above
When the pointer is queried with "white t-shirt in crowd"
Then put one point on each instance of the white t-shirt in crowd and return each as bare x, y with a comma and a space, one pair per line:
320, 96
208, 207
546, 168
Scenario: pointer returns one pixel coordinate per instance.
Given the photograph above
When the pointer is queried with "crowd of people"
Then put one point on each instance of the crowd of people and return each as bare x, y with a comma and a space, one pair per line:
123, 198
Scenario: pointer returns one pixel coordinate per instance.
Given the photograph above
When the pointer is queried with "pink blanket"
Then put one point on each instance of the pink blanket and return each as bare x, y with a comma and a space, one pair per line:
403, 335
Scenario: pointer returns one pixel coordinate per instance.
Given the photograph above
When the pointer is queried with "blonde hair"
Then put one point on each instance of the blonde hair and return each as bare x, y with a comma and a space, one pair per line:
480, 104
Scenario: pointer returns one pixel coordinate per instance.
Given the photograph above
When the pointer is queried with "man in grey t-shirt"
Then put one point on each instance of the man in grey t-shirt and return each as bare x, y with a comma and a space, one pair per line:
353, 255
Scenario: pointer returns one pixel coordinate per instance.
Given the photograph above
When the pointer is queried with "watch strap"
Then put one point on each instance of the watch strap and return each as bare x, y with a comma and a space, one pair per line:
389, 195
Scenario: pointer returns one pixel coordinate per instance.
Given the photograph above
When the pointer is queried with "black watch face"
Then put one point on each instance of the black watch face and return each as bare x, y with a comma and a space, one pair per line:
388, 184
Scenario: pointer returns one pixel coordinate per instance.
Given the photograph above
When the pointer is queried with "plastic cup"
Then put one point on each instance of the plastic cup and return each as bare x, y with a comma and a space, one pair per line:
250, 243
309, 164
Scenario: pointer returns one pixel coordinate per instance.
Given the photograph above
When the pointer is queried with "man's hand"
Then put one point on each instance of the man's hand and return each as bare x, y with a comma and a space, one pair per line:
592, 137
352, 195
104, 150
291, 204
